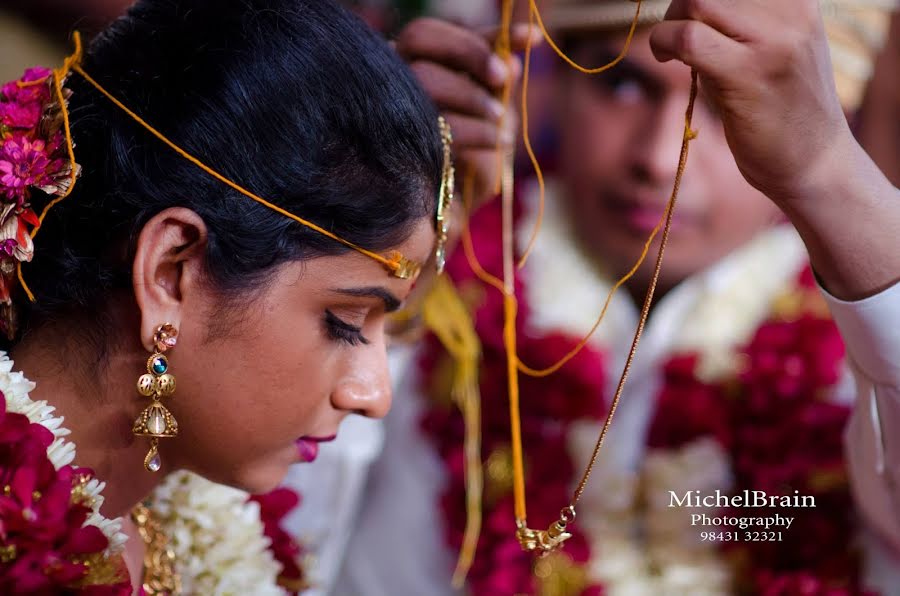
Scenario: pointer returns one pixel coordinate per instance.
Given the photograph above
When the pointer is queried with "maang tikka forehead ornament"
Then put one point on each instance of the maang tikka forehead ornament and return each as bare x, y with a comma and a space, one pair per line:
45, 144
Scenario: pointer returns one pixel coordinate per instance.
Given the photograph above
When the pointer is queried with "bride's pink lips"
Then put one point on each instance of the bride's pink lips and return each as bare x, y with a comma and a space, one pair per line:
308, 447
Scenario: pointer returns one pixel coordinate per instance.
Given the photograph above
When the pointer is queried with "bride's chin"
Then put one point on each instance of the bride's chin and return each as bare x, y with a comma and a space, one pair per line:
258, 478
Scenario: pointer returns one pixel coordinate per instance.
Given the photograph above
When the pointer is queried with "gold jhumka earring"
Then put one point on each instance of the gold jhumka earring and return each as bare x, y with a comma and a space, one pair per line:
156, 421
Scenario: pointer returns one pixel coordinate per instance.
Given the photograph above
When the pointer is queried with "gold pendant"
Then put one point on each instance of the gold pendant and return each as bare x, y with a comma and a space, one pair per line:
155, 421
152, 461
544, 542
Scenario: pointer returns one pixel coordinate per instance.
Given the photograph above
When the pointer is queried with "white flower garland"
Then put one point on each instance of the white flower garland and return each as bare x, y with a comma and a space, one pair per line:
217, 535
654, 550
61, 452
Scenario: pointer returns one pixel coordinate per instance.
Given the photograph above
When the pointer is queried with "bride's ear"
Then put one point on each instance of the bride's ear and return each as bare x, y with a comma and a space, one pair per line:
168, 266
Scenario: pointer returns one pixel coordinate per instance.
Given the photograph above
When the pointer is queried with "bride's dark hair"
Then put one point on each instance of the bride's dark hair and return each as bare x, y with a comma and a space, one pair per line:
295, 100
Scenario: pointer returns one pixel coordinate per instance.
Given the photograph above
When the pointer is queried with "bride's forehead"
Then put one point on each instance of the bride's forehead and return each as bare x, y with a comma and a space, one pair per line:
419, 246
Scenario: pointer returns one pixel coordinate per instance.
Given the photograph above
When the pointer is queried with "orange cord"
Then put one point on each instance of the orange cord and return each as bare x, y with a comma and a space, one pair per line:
504, 161
533, 14
394, 261
544, 372
468, 246
390, 263
572, 63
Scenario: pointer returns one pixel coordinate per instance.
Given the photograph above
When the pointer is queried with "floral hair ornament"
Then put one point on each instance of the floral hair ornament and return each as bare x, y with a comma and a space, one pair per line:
35, 153
37, 137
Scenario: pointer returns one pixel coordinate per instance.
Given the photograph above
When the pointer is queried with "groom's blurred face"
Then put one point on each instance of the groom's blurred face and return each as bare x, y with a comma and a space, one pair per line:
620, 136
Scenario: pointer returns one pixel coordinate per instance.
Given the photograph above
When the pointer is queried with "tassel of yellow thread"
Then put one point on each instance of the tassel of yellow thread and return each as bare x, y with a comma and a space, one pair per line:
447, 317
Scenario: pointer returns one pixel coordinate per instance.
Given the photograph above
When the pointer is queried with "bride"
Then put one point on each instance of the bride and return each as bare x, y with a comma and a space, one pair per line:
153, 270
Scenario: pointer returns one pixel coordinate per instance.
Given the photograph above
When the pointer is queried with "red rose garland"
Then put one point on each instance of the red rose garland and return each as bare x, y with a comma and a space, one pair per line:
773, 420
273, 508
782, 434
548, 411
44, 546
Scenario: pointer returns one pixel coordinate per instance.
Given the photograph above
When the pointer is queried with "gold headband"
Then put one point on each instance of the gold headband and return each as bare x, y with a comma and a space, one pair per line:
394, 261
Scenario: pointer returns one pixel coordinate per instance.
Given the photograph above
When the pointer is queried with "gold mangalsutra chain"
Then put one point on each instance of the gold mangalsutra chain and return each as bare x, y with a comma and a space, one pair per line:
688, 136
159, 575
544, 542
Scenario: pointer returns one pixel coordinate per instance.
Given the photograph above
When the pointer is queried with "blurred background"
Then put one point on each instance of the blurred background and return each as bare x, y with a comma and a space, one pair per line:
36, 32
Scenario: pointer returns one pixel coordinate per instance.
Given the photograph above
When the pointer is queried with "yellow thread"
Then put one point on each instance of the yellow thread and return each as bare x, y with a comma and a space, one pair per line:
532, 14
514, 364
447, 316
468, 246
505, 178
572, 63
544, 372
510, 307
395, 262
391, 264
528, 148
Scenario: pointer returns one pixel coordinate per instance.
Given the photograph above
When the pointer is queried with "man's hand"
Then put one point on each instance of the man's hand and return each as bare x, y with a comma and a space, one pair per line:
765, 65
464, 77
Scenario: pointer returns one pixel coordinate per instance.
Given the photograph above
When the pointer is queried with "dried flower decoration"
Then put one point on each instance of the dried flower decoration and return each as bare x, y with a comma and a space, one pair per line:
33, 156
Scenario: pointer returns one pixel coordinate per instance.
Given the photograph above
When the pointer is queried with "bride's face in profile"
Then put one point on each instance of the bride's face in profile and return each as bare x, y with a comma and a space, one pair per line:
264, 376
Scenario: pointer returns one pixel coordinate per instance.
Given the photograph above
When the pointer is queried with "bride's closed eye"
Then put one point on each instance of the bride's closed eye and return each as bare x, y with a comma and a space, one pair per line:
342, 331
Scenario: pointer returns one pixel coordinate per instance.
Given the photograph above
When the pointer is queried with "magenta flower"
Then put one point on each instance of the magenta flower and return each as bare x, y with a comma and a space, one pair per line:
273, 508
42, 527
23, 163
17, 92
16, 115
8, 247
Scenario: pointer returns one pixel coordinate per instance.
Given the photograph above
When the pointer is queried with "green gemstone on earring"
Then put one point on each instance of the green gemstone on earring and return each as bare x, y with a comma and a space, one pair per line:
159, 365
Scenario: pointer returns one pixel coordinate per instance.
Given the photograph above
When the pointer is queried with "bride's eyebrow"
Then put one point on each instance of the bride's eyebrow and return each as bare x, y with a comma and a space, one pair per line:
391, 302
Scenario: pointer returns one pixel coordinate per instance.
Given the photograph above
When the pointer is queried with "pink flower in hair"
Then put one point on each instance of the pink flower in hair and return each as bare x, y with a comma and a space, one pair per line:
16, 115
22, 102
20, 92
23, 163
8, 247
